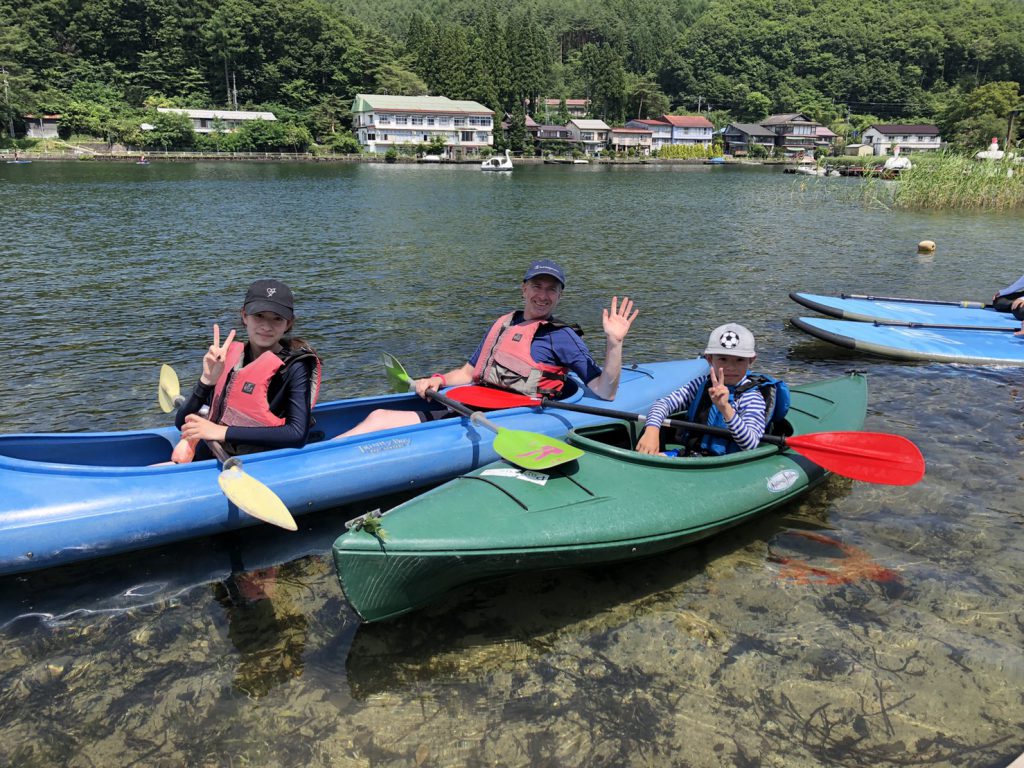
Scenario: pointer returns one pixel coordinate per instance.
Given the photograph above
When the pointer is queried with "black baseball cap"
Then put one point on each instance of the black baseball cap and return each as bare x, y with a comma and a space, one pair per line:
269, 296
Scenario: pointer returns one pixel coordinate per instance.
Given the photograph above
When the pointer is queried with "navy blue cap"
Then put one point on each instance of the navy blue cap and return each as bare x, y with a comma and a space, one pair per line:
545, 267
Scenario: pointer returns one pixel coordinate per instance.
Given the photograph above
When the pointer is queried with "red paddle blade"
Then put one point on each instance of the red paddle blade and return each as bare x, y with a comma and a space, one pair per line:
476, 396
875, 457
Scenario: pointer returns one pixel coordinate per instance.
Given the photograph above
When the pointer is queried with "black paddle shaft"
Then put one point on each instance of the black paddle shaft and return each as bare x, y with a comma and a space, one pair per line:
965, 304
690, 425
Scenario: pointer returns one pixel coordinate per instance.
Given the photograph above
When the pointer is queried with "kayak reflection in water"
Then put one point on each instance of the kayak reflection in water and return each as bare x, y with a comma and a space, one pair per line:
528, 351
727, 397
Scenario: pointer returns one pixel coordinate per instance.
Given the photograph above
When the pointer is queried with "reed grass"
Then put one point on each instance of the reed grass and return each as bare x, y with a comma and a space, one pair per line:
950, 181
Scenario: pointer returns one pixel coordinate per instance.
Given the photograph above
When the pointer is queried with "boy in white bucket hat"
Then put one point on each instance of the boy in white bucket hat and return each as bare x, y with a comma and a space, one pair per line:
726, 397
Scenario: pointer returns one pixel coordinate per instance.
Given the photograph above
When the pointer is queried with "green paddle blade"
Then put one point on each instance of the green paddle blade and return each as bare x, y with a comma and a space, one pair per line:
399, 380
531, 450
255, 499
169, 388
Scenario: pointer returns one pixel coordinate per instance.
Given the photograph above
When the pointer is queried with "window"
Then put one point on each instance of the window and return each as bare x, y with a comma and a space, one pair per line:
587, 136
466, 135
417, 120
430, 121
371, 137
401, 120
482, 137
384, 120
460, 121
443, 120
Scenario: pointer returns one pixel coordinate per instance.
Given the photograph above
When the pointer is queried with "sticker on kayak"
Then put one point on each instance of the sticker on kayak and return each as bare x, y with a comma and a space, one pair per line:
518, 474
783, 480
385, 445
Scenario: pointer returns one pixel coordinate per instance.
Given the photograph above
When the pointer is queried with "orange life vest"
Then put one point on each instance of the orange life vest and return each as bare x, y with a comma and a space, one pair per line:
506, 360
240, 398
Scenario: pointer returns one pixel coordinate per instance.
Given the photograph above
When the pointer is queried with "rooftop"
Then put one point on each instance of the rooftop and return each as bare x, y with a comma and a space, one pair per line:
375, 102
893, 128
219, 114
688, 121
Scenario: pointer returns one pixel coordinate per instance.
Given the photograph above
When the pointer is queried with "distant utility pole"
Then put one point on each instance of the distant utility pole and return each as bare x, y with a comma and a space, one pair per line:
699, 100
234, 90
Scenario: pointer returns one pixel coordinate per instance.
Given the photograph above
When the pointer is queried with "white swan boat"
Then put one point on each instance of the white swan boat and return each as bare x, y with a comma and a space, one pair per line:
497, 163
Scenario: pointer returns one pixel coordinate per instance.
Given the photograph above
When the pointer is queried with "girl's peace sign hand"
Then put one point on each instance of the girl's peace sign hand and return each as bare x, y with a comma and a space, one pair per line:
213, 360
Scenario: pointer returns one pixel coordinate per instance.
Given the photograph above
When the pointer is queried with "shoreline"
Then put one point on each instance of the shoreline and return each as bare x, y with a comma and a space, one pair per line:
308, 157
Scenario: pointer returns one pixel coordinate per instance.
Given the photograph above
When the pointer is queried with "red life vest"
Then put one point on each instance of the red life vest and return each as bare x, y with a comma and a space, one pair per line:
240, 397
506, 360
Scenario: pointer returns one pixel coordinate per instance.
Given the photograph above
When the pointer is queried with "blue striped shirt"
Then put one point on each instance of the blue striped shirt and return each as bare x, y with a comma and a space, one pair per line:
748, 421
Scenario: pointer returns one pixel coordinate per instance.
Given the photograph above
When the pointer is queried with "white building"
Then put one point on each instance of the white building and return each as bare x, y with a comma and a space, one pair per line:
661, 131
910, 138
690, 129
592, 134
203, 120
381, 122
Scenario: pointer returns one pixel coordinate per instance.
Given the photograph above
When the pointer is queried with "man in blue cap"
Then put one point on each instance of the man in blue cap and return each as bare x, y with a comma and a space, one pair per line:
528, 351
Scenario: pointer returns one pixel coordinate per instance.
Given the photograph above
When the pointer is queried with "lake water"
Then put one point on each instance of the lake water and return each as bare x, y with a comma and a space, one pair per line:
715, 655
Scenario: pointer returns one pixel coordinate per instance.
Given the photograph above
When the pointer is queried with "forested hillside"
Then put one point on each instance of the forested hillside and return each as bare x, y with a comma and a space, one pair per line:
102, 63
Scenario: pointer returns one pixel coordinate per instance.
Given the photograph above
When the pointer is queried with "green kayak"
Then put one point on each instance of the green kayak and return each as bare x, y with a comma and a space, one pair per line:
612, 504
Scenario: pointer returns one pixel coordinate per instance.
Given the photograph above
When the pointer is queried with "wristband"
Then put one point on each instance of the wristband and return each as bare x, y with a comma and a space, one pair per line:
444, 382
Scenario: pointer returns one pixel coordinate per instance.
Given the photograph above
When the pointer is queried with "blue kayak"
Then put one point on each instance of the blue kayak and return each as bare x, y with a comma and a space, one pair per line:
945, 345
73, 497
965, 314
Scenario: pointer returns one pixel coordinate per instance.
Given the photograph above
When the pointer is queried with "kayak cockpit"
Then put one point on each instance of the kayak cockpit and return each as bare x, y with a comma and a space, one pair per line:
619, 438
91, 450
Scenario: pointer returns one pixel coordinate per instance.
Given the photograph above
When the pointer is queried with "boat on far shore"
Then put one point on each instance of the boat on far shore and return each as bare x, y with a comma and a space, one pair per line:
497, 163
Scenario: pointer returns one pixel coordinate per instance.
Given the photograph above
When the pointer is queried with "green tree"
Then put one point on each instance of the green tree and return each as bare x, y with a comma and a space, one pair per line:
517, 129
972, 122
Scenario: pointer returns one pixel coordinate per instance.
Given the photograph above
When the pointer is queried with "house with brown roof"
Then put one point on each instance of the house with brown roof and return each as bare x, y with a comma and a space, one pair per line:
575, 107
794, 133
915, 137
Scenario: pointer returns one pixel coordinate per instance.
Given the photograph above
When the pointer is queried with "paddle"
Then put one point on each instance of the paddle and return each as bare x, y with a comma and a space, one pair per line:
243, 490
952, 327
964, 304
875, 457
399, 380
529, 450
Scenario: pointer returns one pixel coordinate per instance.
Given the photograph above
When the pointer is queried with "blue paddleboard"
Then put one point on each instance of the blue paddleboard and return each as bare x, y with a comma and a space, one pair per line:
889, 310
945, 345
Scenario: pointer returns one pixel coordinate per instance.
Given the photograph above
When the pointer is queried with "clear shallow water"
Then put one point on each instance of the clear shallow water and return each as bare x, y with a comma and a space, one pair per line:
718, 654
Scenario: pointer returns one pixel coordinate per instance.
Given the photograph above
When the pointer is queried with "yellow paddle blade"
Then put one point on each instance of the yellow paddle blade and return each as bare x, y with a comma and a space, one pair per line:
169, 388
254, 498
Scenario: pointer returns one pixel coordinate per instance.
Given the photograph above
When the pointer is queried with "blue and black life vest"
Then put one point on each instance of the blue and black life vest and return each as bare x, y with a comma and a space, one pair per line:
702, 411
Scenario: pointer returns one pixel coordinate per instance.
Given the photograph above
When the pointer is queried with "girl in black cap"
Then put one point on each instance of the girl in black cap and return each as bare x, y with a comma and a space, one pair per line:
260, 394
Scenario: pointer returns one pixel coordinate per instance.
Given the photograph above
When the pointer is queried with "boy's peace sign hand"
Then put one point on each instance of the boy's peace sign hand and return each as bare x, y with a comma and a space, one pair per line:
718, 391
213, 360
